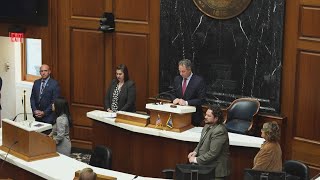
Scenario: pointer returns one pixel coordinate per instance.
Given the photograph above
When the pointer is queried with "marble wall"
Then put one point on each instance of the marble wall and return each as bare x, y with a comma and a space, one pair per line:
237, 57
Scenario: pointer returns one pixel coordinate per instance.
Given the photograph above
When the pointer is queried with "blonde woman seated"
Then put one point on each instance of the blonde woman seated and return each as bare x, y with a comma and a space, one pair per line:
269, 158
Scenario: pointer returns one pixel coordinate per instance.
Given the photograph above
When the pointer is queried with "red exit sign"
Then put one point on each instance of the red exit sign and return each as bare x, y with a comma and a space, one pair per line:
16, 37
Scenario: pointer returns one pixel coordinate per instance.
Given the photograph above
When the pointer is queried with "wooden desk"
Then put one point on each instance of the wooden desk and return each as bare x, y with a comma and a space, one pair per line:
146, 151
316, 177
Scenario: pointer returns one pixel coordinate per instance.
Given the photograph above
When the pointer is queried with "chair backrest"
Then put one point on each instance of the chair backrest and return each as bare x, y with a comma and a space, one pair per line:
240, 115
243, 108
296, 168
101, 157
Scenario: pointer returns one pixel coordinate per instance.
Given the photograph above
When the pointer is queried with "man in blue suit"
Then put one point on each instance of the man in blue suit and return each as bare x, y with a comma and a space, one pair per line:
189, 89
44, 92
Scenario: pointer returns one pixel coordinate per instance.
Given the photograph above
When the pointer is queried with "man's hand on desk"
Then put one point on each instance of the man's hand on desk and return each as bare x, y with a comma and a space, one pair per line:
180, 102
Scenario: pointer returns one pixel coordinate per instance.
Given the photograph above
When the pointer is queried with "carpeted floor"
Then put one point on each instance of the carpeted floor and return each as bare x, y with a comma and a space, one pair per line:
82, 155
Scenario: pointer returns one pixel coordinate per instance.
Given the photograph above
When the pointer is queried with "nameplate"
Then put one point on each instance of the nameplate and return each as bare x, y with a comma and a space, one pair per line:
132, 118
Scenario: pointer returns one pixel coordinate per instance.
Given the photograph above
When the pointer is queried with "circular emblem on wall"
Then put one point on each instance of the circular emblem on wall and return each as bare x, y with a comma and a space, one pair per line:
222, 9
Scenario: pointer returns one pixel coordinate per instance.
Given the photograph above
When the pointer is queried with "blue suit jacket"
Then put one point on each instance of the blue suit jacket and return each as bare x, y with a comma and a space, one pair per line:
50, 93
194, 94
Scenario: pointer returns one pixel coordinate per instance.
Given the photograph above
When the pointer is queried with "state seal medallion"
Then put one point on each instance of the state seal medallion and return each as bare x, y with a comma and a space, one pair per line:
222, 9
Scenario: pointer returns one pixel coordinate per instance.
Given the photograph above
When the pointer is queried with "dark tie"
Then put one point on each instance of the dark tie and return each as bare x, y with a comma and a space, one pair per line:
43, 83
184, 86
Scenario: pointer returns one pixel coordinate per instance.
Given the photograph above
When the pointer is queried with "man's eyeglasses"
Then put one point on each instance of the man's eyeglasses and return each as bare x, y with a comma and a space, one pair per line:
44, 70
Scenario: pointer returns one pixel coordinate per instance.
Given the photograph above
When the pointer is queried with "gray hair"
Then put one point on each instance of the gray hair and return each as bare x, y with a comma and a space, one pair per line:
185, 62
87, 174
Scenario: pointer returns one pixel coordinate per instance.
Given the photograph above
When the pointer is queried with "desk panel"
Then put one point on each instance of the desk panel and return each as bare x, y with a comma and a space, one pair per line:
147, 155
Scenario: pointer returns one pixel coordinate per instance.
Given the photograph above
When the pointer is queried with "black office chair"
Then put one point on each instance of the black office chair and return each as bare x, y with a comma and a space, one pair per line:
296, 170
240, 115
168, 173
101, 157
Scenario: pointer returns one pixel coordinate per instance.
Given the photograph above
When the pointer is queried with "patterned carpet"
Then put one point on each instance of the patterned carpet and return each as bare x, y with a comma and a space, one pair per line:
82, 155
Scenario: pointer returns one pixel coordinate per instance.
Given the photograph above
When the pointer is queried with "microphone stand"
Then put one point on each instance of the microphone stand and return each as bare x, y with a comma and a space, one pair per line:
163, 93
24, 105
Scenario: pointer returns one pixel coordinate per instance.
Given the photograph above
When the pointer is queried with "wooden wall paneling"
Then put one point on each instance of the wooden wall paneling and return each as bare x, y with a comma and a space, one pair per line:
300, 88
64, 49
132, 50
309, 17
307, 96
137, 10
289, 69
306, 151
85, 9
87, 61
154, 48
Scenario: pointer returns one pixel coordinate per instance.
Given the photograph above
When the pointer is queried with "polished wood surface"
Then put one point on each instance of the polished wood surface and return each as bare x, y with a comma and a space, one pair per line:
309, 17
127, 119
300, 82
301, 36
88, 57
181, 122
147, 155
27, 145
9, 171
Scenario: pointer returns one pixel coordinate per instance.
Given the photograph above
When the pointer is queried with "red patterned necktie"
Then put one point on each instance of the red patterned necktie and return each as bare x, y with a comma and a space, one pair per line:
184, 85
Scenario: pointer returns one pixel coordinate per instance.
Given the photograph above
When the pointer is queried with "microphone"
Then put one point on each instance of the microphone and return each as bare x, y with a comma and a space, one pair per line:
24, 106
165, 93
15, 117
7, 154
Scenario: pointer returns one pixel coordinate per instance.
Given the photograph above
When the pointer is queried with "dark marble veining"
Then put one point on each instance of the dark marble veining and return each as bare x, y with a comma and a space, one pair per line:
238, 57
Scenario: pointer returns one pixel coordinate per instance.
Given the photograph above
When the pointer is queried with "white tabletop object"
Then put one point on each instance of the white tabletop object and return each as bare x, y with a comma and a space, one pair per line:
61, 167
191, 135
29, 125
166, 108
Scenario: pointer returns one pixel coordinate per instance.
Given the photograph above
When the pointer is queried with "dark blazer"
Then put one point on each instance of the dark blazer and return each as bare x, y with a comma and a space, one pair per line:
213, 149
50, 93
127, 96
194, 94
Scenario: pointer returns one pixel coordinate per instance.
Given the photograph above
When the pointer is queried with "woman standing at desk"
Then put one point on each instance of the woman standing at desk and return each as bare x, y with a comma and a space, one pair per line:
121, 94
60, 129
269, 157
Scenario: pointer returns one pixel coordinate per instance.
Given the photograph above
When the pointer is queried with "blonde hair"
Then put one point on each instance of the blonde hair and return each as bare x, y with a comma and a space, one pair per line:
272, 131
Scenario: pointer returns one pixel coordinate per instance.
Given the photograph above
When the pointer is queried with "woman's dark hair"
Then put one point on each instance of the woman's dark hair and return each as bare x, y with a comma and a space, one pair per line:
124, 69
61, 107
217, 112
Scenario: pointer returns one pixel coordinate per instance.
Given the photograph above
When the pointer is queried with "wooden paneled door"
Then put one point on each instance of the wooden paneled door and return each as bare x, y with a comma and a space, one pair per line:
87, 57
301, 82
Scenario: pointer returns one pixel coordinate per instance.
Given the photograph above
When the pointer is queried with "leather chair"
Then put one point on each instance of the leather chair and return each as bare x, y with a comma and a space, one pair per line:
296, 170
101, 157
168, 173
240, 115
